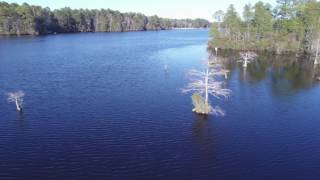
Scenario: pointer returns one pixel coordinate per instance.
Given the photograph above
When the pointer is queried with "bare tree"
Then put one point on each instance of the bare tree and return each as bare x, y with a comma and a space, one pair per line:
216, 63
316, 60
17, 98
247, 57
216, 50
206, 83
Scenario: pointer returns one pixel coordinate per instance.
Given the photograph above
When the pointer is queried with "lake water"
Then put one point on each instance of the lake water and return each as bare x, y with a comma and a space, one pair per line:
101, 106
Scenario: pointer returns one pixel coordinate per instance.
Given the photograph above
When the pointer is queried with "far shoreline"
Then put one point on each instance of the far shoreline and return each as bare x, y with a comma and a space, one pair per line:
62, 33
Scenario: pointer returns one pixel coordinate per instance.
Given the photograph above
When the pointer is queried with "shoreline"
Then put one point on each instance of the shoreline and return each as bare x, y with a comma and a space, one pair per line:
272, 51
52, 34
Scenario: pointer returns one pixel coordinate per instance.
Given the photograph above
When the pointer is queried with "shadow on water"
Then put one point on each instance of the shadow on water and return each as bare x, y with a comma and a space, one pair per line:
285, 73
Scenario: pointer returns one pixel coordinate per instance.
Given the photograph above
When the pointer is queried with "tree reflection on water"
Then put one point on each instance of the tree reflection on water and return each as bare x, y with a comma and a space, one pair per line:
285, 73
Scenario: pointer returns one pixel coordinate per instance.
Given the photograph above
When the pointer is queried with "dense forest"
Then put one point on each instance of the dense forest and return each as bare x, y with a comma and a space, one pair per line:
290, 26
27, 19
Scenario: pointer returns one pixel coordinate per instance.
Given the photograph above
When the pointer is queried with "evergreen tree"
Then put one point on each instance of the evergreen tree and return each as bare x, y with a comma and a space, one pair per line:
33, 20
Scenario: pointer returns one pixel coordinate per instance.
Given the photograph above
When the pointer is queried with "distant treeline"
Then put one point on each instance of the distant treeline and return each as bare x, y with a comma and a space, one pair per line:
27, 19
291, 25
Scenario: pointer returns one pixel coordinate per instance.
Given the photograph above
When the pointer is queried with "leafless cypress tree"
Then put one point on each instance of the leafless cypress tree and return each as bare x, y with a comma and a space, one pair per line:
17, 98
206, 83
316, 60
247, 57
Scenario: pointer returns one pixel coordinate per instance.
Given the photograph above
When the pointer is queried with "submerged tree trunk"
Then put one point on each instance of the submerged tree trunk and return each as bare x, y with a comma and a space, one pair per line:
18, 105
245, 63
216, 49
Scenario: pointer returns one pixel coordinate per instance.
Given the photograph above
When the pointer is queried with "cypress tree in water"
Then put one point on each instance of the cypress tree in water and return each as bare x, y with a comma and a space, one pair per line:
17, 98
247, 57
204, 84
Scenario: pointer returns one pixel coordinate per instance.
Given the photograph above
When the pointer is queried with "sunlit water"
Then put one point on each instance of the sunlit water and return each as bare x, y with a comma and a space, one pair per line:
102, 106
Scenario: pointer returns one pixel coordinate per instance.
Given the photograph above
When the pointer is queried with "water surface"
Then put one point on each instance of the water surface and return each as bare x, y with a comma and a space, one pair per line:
101, 106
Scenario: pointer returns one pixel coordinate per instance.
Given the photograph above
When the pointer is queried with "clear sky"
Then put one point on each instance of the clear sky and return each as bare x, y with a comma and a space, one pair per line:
163, 8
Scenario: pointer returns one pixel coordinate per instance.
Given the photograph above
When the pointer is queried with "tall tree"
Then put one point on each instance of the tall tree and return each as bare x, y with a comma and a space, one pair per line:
232, 24
248, 16
262, 21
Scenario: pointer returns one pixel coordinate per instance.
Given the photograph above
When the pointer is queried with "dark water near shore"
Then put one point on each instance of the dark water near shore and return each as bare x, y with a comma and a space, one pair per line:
101, 106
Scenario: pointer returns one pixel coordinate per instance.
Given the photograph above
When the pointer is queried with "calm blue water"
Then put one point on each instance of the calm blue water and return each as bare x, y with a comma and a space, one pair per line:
101, 106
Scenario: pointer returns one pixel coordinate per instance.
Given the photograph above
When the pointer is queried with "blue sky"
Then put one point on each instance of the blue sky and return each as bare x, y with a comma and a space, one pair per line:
163, 8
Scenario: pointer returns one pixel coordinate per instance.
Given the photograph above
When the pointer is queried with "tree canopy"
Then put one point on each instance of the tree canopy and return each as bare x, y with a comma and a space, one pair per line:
291, 25
27, 19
